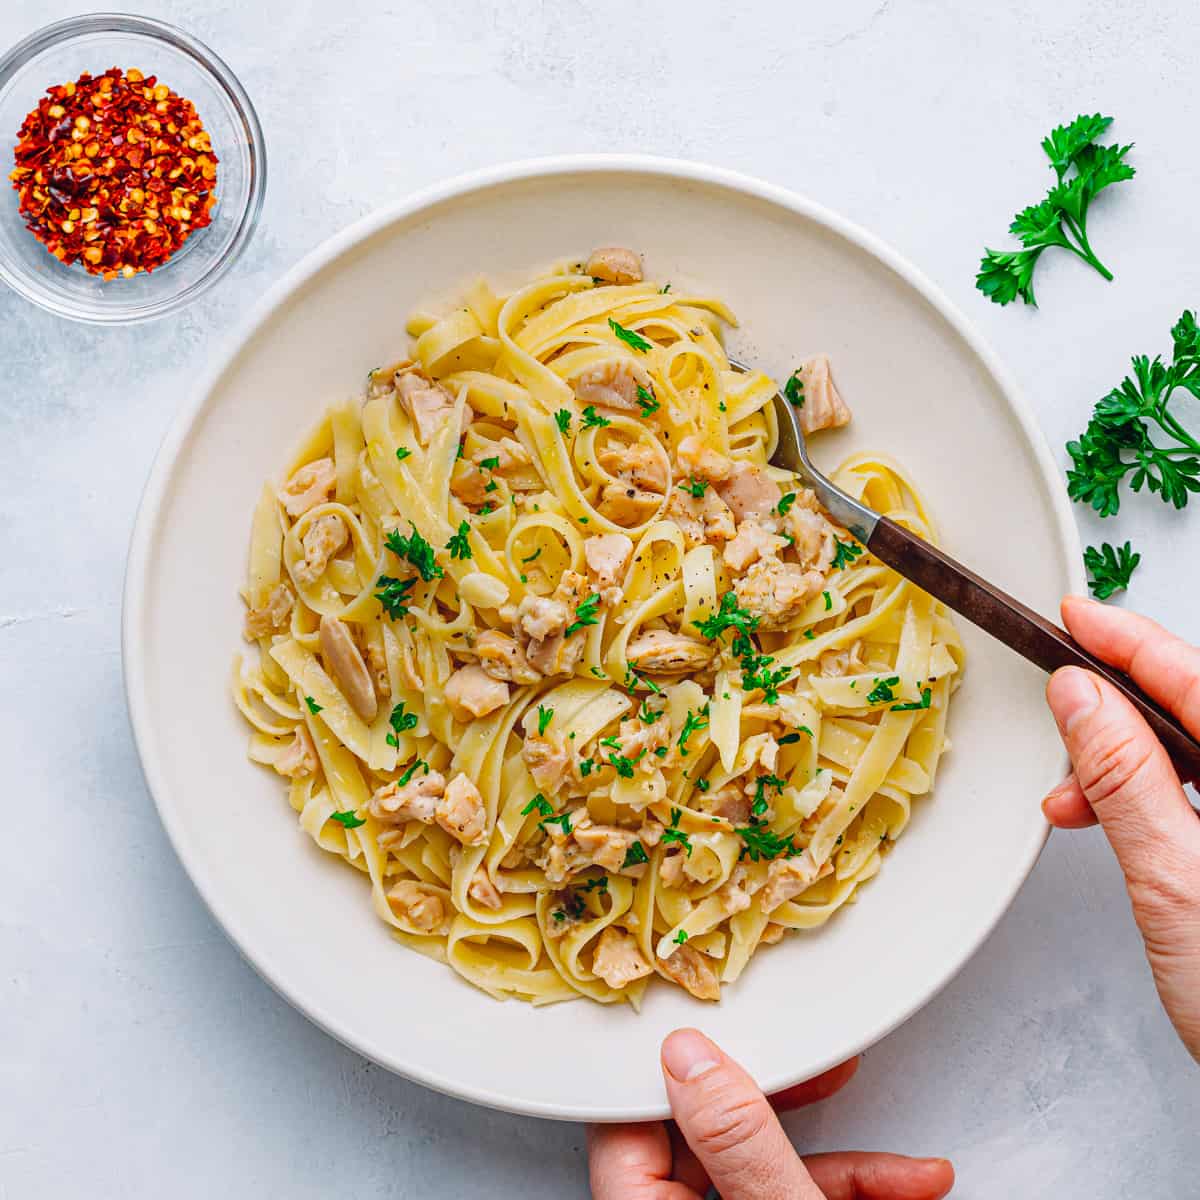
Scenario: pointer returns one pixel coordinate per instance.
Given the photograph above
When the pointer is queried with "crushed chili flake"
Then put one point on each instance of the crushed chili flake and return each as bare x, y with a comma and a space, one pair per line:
114, 171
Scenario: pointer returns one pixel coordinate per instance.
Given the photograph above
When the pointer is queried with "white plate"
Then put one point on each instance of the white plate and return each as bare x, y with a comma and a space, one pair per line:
923, 388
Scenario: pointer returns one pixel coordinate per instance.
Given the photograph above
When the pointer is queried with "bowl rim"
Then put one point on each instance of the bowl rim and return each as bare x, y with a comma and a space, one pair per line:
149, 515
224, 79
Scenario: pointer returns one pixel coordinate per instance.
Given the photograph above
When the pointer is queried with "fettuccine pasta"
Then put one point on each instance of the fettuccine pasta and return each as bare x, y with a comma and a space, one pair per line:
587, 690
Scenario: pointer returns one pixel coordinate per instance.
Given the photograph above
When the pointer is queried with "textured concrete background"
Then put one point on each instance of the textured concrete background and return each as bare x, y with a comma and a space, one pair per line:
141, 1057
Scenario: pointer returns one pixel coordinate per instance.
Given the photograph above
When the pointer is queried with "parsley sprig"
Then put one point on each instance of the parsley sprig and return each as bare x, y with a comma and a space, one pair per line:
1061, 218
415, 550
761, 842
634, 341
585, 614
1117, 445
647, 400
459, 544
394, 595
1110, 568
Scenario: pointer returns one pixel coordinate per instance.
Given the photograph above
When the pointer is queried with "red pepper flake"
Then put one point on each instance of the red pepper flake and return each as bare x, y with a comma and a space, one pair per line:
115, 172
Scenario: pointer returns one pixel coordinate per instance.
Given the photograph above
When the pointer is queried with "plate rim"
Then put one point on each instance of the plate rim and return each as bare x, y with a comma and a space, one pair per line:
148, 518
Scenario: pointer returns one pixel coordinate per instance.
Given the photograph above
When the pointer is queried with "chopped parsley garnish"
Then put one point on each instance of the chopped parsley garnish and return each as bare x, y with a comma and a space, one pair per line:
666, 287
597, 882
635, 855
459, 544
624, 766
692, 724
882, 690
808, 633
785, 503
828, 601
545, 716
401, 722
534, 556
756, 674
1111, 568
647, 399
694, 487
347, 820
846, 553
490, 464
793, 390
727, 616
647, 715
563, 821
562, 419
676, 835
632, 679
702, 785
585, 614
586, 766
914, 705
393, 594
634, 341
492, 486
539, 803
680, 937
661, 751
416, 550
403, 452
761, 784
592, 419
412, 770
313, 706
759, 842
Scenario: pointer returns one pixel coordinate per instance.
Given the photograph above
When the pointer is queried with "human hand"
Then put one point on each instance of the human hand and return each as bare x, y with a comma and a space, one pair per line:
726, 1135
1123, 778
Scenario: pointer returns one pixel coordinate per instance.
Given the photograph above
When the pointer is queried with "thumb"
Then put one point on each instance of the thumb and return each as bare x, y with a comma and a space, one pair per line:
729, 1125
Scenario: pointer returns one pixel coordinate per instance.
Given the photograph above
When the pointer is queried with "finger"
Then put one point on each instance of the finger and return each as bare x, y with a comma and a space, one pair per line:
729, 1124
821, 1087
1125, 774
1164, 666
633, 1162
858, 1176
685, 1165
1066, 807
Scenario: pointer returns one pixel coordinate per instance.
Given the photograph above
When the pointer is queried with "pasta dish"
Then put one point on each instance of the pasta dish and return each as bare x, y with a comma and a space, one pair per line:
587, 690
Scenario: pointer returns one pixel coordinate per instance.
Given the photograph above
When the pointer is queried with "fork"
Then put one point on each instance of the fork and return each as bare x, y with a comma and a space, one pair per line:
982, 603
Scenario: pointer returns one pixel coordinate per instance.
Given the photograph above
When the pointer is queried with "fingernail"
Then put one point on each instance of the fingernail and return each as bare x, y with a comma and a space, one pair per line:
1072, 694
688, 1054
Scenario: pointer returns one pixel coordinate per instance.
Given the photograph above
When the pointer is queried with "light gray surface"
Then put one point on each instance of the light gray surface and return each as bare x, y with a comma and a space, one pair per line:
141, 1056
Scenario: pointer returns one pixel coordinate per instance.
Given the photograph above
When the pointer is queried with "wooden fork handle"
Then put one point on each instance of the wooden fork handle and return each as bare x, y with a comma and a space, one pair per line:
1019, 627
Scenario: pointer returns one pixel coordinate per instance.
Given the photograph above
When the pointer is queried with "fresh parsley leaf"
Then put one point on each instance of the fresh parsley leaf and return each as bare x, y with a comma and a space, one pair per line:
412, 770
1110, 568
828, 601
760, 805
673, 834
1061, 218
540, 804
691, 724
347, 820
759, 842
490, 464
562, 419
785, 504
680, 937
845, 554
592, 419
459, 544
647, 715
666, 287
545, 716
702, 785
394, 595
403, 452
915, 705
597, 882
694, 487
585, 614
634, 341
1118, 447
586, 766
883, 690
401, 721
727, 616
313, 706
623, 765
415, 550
635, 855
757, 675
787, 739
793, 390
647, 399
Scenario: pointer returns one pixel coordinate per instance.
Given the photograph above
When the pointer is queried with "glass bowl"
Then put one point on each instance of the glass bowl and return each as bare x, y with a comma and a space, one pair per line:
60, 53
